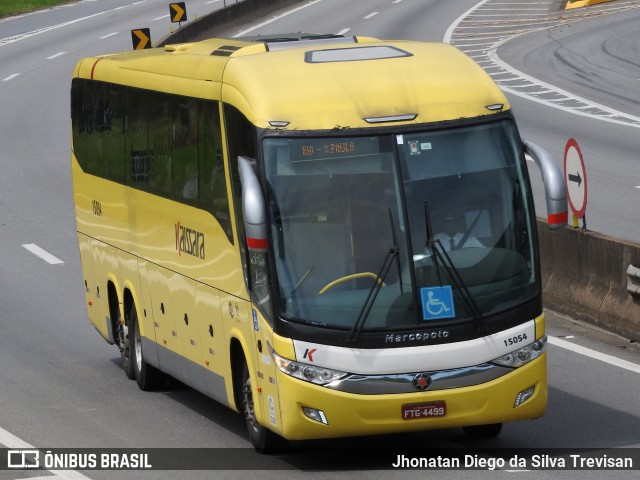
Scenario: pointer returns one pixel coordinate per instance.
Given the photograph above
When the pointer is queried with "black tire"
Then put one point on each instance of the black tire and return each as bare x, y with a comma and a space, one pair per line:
483, 431
262, 439
147, 376
123, 335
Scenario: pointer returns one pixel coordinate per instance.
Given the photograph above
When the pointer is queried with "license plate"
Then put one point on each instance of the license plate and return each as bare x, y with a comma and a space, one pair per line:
415, 411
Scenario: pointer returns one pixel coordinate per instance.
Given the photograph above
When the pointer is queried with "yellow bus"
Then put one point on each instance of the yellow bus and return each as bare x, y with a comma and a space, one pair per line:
334, 236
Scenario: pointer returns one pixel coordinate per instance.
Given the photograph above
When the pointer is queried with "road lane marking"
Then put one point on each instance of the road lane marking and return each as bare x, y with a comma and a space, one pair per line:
22, 36
629, 120
9, 440
274, 19
449, 33
59, 54
524, 10
371, 15
10, 77
545, 93
109, 35
603, 357
43, 254
48, 477
510, 15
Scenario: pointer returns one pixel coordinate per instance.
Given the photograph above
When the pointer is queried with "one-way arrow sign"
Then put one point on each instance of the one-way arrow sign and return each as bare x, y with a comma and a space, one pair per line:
576, 183
575, 178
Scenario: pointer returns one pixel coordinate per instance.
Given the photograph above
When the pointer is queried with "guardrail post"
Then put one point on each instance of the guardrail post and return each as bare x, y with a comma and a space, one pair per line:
633, 281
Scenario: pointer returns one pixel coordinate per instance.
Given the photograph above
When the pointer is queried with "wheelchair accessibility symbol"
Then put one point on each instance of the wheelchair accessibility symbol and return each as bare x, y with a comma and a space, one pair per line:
437, 302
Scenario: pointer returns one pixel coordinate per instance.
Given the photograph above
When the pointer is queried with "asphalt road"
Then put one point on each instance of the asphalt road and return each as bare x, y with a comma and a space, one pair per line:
61, 385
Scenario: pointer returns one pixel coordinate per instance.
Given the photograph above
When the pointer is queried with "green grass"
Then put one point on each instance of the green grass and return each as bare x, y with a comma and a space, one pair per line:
14, 7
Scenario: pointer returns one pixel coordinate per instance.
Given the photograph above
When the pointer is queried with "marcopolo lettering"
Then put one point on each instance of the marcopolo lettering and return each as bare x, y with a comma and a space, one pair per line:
416, 337
189, 241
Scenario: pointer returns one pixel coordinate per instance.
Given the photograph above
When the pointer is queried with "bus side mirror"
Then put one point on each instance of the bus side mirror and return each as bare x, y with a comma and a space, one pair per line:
253, 206
554, 186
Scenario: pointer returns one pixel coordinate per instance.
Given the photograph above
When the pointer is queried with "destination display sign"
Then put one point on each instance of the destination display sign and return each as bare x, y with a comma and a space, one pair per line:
330, 148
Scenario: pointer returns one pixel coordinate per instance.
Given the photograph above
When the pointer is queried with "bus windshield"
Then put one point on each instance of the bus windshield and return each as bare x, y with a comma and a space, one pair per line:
352, 216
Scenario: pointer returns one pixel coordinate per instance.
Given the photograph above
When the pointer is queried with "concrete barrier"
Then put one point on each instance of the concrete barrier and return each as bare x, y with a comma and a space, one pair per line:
584, 275
232, 15
633, 280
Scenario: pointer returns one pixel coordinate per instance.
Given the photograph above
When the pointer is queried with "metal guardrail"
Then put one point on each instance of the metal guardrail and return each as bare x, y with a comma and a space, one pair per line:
633, 281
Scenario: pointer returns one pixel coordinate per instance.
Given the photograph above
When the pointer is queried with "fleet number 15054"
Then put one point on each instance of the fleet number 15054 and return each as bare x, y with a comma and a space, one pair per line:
515, 340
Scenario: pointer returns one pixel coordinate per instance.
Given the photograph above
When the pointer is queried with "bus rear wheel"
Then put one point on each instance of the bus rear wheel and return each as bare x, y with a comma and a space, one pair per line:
262, 439
124, 344
147, 376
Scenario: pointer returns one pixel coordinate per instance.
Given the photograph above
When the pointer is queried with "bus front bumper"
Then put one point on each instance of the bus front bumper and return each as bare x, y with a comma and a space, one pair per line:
347, 414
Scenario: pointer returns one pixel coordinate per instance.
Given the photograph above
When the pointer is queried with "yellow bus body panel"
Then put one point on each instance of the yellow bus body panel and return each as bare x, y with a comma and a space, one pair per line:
434, 81
437, 82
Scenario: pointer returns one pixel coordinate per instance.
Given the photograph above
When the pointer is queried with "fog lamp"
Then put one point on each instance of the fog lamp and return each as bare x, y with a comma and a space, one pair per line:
314, 414
523, 396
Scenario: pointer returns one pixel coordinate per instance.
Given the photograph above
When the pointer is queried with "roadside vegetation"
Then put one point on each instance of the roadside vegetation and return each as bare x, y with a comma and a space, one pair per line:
15, 7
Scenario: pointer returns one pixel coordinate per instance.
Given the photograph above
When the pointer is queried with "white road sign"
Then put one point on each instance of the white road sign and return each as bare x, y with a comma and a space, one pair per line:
575, 177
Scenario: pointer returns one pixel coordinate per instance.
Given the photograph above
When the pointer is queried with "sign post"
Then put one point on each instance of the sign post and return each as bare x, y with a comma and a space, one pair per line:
575, 177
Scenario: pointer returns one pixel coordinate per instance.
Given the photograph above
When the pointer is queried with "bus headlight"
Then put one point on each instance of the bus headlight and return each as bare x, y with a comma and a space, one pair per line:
523, 355
303, 371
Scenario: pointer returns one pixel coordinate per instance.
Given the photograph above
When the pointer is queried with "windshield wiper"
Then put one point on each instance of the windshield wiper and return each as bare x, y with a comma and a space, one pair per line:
377, 285
394, 237
373, 293
439, 254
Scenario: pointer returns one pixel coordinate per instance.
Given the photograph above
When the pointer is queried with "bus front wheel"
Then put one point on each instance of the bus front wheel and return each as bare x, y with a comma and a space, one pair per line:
262, 439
